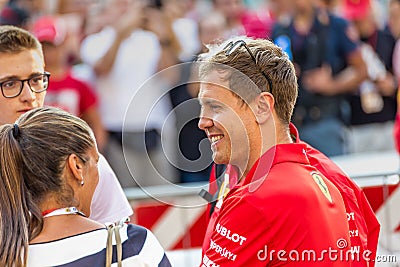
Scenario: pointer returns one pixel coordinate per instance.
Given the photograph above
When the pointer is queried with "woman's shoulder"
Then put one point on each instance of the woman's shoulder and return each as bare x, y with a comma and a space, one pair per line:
88, 246
139, 245
140, 239
142, 242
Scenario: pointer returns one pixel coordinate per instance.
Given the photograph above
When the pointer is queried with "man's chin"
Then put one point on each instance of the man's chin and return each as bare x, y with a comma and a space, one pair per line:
220, 160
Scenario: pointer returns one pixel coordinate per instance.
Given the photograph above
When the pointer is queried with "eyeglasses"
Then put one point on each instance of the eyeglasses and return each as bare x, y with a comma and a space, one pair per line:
233, 46
37, 84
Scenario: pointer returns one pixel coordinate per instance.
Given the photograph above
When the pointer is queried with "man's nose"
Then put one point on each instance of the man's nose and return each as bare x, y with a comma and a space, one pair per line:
204, 122
27, 94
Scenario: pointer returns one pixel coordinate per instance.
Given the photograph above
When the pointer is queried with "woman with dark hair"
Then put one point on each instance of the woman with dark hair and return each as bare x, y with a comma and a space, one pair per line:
48, 176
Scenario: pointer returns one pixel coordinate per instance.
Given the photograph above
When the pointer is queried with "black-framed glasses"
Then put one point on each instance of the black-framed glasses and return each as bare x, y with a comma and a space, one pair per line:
37, 84
233, 46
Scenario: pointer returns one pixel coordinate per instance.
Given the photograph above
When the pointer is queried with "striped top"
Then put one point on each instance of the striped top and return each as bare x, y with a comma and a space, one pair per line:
140, 248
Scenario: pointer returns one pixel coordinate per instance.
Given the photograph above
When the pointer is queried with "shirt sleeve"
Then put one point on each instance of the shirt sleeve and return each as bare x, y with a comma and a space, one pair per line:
88, 97
144, 245
347, 36
109, 203
95, 46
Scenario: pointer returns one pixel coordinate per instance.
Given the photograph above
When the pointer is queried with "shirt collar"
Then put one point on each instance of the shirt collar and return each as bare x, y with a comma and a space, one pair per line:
292, 152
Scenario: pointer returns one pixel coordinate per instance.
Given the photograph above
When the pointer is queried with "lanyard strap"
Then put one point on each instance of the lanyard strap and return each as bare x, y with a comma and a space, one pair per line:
61, 211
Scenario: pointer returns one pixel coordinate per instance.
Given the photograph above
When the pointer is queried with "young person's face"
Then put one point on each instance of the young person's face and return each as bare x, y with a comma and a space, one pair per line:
20, 66
229, 123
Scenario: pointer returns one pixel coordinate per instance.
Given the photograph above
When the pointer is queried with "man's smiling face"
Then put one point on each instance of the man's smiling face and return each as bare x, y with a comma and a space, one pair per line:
228, 122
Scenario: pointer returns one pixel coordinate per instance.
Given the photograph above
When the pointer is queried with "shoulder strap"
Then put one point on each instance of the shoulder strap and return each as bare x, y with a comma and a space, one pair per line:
114, 229
119, 244
109, 247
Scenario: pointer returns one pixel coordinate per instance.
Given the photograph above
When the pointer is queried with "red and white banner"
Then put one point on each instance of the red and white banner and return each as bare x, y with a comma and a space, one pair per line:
385, 201
176, 227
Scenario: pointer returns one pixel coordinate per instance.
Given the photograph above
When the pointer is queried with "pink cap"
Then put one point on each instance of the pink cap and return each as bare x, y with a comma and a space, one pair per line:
49, 29
356, 9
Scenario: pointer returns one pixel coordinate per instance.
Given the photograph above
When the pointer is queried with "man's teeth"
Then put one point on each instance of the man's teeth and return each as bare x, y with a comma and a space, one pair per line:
215, 138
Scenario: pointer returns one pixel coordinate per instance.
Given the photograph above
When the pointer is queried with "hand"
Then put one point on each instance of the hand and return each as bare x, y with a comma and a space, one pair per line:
386, 85
158, 23
130, 20
320, 80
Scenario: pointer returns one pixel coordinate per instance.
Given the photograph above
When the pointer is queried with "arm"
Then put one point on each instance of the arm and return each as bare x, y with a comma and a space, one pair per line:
322, 79
161, 25
89, 112
124, 26
104, 65
193, 83
93, 118
387, 85
350, 78
347, 81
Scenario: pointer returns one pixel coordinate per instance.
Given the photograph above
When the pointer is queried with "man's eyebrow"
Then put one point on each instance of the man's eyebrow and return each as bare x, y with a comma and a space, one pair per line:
205, 102
10, 77
35, 74
15, 77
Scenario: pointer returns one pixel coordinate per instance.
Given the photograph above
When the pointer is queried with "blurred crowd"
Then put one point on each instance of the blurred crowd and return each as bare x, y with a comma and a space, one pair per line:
124, 67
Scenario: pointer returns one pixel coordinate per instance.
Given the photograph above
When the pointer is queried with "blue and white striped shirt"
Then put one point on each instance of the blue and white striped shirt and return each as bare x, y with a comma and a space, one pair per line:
139, 248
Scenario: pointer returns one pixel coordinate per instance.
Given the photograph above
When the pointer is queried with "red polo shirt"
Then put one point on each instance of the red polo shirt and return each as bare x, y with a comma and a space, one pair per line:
283, 213
363, 224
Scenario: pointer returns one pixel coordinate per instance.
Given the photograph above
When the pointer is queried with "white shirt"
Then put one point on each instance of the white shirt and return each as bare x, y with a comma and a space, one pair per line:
109, 203
136, 61
186, 30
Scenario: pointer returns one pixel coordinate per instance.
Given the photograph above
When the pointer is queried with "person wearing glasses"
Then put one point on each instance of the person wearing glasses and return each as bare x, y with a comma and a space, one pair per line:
280, 208
23, 83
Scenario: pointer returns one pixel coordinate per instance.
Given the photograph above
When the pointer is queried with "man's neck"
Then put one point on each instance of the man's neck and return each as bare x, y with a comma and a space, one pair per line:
282, 136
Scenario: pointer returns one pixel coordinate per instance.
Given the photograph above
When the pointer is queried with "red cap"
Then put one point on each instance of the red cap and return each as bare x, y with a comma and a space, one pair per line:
356, 9
49, 29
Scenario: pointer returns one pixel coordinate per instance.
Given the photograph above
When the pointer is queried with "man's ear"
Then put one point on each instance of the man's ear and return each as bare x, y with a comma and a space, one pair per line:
264, 104
75, 164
